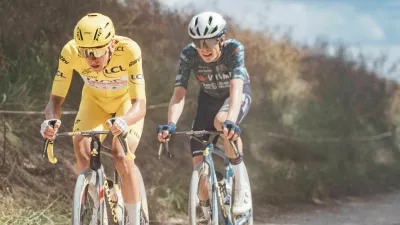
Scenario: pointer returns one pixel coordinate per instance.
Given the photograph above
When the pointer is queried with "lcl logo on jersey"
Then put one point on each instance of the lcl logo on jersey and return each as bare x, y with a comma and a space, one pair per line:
114, 69
120, 49
136, 78
60, 74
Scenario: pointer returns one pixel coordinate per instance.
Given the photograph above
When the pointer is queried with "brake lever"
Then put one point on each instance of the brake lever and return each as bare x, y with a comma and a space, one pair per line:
124, 143
161, 148
48, 145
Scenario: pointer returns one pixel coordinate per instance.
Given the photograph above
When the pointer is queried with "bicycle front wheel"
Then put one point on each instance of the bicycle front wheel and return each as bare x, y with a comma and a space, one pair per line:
194, 208
82, 205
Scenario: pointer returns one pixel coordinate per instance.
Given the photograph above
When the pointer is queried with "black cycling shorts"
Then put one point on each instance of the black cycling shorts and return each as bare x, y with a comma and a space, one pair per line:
208, 107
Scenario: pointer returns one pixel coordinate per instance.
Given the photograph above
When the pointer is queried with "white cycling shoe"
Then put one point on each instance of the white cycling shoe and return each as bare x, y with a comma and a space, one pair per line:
242, 201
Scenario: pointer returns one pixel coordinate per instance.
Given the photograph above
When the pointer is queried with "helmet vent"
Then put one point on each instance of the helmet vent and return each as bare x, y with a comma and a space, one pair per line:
95, 34
210, 20
92, 14
108, 35
215, 29
106, 25
197, 20
205, 31
79, 34
198, 32
191, 31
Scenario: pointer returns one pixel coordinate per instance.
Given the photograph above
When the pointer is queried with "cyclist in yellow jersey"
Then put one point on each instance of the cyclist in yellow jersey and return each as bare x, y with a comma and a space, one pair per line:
111, 67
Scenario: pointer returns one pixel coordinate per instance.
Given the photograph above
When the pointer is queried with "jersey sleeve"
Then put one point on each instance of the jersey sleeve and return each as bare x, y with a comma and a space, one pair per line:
237, 61
63, 77
135, 72
185, 66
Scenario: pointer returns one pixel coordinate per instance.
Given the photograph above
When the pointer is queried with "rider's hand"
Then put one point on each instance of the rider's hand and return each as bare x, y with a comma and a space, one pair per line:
118, 127
47, 131
231, 130
163, 131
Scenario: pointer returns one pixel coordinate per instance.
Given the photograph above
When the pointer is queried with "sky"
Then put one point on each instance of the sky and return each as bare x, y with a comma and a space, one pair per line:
369, 26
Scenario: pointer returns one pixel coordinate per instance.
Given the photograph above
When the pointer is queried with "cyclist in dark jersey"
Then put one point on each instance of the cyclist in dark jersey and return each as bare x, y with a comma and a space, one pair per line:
224, 98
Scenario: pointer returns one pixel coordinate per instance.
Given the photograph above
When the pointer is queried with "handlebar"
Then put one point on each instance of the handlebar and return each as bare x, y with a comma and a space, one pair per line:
195, 135
48, 148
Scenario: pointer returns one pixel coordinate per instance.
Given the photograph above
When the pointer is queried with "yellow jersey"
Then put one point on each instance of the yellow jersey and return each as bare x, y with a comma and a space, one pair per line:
121, 78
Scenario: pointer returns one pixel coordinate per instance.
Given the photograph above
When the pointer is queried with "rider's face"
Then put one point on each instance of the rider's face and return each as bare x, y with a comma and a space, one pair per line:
97, 64
210, 53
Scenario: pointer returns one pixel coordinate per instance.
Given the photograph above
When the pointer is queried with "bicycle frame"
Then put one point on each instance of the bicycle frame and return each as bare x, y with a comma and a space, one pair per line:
210, 150
98, 178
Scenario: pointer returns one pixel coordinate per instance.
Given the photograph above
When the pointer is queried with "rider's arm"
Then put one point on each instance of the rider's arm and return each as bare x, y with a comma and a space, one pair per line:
235, 96
61, 83
177, 101
237, 80
63, 78
176, 104
136, 85
53, 108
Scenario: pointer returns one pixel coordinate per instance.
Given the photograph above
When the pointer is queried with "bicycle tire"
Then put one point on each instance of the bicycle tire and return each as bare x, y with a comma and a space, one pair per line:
250, 222
144, 212
216, 218
81, 196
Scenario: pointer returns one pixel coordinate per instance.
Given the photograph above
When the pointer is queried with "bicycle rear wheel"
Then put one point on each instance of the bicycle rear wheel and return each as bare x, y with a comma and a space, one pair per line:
82, 205
194, 209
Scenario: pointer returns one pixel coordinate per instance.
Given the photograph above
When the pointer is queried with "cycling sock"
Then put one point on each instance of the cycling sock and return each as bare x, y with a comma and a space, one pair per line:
205, 206
240, 175
133, 211
94, 195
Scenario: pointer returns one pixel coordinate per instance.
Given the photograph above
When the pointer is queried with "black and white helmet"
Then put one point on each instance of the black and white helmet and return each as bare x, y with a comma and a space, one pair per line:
207, 25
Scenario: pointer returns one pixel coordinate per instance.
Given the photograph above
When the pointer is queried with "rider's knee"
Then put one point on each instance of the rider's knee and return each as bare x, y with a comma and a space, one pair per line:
78, 141
218, 124
237, 160
118, 155
81, 146
118, 152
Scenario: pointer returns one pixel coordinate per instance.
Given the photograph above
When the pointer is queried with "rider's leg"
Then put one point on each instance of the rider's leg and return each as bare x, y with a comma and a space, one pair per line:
242, 188
130, 185
89, 117
207, 108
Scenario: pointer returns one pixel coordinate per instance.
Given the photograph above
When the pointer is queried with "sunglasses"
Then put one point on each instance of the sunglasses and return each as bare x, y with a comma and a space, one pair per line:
205, 43
93, 52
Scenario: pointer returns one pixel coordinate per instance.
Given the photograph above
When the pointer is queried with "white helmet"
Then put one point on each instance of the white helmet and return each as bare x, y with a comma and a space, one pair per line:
207, 25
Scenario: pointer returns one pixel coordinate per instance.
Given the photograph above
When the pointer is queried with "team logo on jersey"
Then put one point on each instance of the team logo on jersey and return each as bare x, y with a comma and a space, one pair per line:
135, 78
114, 69
120, 49
86, 71
60, 74
134, 61
63, 60
200, 77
